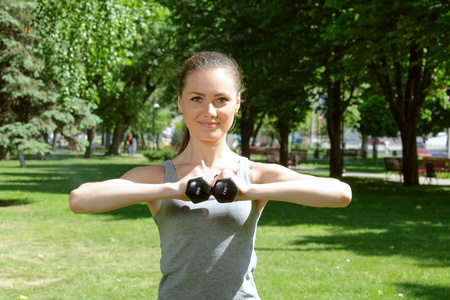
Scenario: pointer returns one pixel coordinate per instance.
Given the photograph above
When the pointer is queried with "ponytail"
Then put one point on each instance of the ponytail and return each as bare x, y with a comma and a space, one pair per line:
185, 140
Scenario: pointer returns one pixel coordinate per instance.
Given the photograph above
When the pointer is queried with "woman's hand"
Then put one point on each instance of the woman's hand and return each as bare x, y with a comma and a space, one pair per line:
228, 173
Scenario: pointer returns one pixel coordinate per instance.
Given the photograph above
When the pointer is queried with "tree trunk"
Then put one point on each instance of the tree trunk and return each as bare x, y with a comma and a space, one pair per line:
410, 165
336, 165
258, 127
374, 147
118, 137
22, 159
448, 143
107, 143
144, 143
364, 146
246, 133
90, 148
157, 141
375, 150
4, 154
334, 121
54, 141
284, 143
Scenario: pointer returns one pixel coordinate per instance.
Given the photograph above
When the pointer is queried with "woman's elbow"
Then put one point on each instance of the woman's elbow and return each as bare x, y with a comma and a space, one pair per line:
75, 202
345, 195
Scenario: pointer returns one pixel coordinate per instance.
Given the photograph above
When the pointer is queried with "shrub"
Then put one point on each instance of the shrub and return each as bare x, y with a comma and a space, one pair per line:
163, 155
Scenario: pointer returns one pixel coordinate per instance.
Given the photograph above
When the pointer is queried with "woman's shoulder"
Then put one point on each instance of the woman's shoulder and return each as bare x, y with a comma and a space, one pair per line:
146, 174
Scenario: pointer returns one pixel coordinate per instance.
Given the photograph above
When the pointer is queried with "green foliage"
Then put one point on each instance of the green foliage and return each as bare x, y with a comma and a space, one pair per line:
28, 106
105, 52
376, 118
160, 155
435, 117
85, 42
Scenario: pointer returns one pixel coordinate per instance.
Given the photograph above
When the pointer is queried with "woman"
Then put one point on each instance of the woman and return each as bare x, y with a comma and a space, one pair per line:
208, 248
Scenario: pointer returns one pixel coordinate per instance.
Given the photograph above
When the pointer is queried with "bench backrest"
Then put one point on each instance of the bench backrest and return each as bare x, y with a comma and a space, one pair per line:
393, 163
272, 155
439, 162
299, 152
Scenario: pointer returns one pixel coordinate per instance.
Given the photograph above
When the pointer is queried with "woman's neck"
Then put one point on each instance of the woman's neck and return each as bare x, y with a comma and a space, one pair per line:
198, 152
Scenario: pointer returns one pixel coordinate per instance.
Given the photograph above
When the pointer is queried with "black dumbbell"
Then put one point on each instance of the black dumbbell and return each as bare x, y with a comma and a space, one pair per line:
198, 190
225, 190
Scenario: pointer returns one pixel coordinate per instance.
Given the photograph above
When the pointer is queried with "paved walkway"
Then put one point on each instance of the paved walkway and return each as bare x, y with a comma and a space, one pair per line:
392, 177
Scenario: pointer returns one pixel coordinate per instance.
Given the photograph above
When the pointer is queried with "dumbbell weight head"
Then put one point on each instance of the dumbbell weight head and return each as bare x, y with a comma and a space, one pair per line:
225, 190
198, 190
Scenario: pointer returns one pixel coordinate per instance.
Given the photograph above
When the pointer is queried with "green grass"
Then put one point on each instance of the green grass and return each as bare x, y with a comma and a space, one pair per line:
390, 242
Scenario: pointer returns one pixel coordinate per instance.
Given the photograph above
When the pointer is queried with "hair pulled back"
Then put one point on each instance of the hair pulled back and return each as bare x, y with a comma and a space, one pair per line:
208, 60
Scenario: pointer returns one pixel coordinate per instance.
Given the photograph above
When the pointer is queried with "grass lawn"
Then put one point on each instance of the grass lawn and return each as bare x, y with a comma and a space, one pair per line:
391, 242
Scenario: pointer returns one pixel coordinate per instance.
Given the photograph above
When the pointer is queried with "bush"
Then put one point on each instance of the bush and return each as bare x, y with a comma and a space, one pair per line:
162, 155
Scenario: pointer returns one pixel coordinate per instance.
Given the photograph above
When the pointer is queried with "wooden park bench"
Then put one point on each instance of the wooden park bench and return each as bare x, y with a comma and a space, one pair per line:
440, 165
345, 153
393, 165
273, 156
258, 150
350, 153
298, 154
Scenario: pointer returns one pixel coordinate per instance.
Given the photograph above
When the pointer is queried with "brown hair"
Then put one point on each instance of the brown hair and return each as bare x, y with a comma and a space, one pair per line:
207, 60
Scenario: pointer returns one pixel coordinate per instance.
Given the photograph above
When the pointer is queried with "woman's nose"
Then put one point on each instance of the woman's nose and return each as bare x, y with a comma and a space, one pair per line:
210, 110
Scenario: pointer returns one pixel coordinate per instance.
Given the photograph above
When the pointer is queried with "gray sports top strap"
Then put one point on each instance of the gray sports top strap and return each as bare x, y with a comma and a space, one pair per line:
171, 174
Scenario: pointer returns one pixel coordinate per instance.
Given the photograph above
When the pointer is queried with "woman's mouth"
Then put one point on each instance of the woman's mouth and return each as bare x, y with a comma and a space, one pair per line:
208, 124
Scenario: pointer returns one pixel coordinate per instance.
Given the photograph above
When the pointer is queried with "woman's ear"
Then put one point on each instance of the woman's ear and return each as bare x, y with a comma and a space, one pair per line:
238, 103
180, 110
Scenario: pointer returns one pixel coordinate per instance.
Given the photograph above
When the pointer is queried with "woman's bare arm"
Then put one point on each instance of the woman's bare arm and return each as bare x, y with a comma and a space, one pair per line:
275, 182
143, 184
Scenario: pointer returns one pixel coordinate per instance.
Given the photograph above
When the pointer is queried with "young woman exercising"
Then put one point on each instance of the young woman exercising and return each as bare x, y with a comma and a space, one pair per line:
207, 247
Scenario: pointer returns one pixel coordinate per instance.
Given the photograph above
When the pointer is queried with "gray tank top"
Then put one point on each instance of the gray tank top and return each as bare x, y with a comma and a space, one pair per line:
207, 249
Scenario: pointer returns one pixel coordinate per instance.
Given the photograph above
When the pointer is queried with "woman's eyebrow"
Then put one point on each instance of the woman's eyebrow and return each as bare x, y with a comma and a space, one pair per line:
215, 95
197, 93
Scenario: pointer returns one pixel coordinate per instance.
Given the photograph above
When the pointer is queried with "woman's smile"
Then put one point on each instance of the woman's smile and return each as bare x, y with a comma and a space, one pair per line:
209, 124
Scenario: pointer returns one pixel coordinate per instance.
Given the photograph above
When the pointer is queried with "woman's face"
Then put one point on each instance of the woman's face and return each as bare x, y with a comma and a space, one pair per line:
209, 102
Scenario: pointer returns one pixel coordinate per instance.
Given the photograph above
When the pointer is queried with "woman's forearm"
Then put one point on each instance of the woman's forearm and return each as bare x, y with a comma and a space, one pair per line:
108, 195
319, 192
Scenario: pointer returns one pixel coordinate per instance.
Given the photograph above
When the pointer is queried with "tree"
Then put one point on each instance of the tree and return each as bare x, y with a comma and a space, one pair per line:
376, 119
144, 72
90, 42
31, 105
406, 51
336, 75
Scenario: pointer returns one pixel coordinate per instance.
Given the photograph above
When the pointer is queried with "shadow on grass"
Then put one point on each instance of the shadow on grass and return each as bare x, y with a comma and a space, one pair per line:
426, 292
383, 219
52, 177
137, 211
13, 202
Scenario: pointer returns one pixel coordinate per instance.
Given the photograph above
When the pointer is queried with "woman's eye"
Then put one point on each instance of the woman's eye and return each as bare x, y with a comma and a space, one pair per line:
222, 100
196, 99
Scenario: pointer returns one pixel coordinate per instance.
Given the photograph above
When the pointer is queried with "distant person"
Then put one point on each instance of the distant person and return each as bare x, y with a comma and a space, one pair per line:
132, 145
386, 146
207, 248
